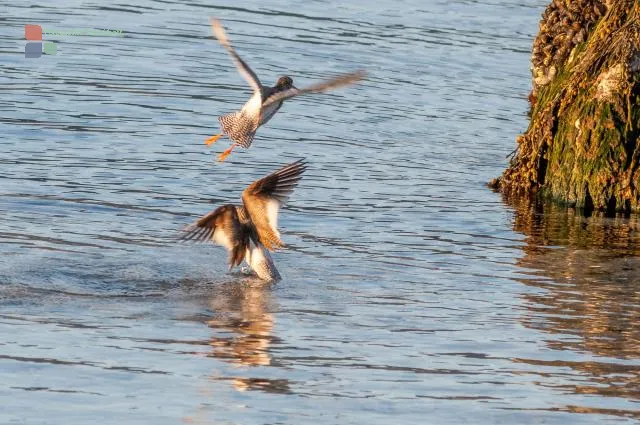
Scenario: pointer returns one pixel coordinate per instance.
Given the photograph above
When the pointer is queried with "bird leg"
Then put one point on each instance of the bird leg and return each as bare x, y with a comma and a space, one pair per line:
211, 140
226, 153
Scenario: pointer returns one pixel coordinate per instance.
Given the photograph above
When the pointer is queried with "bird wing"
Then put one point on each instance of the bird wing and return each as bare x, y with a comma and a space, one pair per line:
244, 70
267, 113
223, 227
263, 199
340, 81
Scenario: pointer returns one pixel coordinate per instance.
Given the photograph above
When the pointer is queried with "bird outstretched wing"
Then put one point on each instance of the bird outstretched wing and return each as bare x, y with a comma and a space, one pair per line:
244, 70
263, 198
334, 83
221, 226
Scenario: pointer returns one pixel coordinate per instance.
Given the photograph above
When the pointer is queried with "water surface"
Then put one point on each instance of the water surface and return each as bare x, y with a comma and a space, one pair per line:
411, 293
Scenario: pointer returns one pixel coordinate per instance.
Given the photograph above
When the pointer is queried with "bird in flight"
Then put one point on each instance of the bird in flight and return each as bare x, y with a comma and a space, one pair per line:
250, 231
241, 126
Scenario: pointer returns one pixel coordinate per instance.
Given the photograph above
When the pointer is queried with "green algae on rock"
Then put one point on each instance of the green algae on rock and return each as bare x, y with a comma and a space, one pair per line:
582, 146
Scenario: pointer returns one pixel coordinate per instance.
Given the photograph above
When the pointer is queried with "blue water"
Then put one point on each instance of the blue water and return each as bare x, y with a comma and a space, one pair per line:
412, 294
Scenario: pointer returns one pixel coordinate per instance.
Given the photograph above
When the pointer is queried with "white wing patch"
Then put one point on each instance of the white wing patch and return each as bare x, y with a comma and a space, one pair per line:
221, 238
273, 207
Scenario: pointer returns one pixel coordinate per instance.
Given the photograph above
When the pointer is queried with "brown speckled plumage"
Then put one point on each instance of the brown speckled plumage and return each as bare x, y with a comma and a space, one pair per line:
251, 228
239, 128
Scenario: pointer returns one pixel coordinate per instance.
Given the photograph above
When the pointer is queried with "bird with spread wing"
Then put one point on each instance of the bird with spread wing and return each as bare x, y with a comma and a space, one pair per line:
241, 126
250, 231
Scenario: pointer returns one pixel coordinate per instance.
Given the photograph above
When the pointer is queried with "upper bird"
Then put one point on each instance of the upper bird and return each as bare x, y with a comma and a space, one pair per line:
250, 231
241, 125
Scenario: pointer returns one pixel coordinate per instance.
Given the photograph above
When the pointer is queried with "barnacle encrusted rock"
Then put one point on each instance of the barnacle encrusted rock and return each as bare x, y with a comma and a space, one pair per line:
564, 25
582, 146
610, 83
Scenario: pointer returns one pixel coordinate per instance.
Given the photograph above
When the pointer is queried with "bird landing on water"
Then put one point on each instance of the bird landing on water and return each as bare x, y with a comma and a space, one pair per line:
250, 231
241, 126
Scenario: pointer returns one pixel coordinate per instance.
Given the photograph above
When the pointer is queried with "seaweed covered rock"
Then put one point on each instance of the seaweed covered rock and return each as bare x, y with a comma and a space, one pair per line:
582, 146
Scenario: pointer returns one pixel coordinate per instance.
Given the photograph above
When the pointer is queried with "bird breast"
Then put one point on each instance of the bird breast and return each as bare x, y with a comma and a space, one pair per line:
261, 262
253, 106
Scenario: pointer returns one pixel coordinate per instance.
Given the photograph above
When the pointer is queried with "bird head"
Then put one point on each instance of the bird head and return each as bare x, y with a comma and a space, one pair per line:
284, 83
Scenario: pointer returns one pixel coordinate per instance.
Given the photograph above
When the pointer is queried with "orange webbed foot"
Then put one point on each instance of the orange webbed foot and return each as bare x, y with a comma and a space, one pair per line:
226, 153
211, 140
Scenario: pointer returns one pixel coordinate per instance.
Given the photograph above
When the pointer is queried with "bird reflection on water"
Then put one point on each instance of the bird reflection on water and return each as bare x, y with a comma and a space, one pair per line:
587, 297
243, 333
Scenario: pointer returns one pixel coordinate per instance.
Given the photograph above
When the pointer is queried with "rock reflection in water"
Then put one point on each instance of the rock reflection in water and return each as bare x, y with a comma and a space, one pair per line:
243, 328
588, 273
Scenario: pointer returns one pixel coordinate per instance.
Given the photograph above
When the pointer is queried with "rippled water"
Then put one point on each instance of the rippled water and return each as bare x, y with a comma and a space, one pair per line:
411, 293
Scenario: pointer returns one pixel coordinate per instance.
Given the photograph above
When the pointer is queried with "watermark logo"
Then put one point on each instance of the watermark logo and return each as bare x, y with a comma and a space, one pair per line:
35, 46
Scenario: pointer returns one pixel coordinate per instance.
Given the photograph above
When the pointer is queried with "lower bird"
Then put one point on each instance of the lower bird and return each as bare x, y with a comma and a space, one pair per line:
250, 231
241, 126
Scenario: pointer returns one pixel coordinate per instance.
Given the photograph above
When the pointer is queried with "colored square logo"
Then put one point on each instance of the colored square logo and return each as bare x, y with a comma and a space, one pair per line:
49, 48
33, 32
33, 50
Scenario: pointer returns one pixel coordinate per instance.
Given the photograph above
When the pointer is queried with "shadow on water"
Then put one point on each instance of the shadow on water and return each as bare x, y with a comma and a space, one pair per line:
585, 295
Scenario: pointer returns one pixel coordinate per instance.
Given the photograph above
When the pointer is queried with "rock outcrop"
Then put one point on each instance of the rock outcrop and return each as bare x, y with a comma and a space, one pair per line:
582, 146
